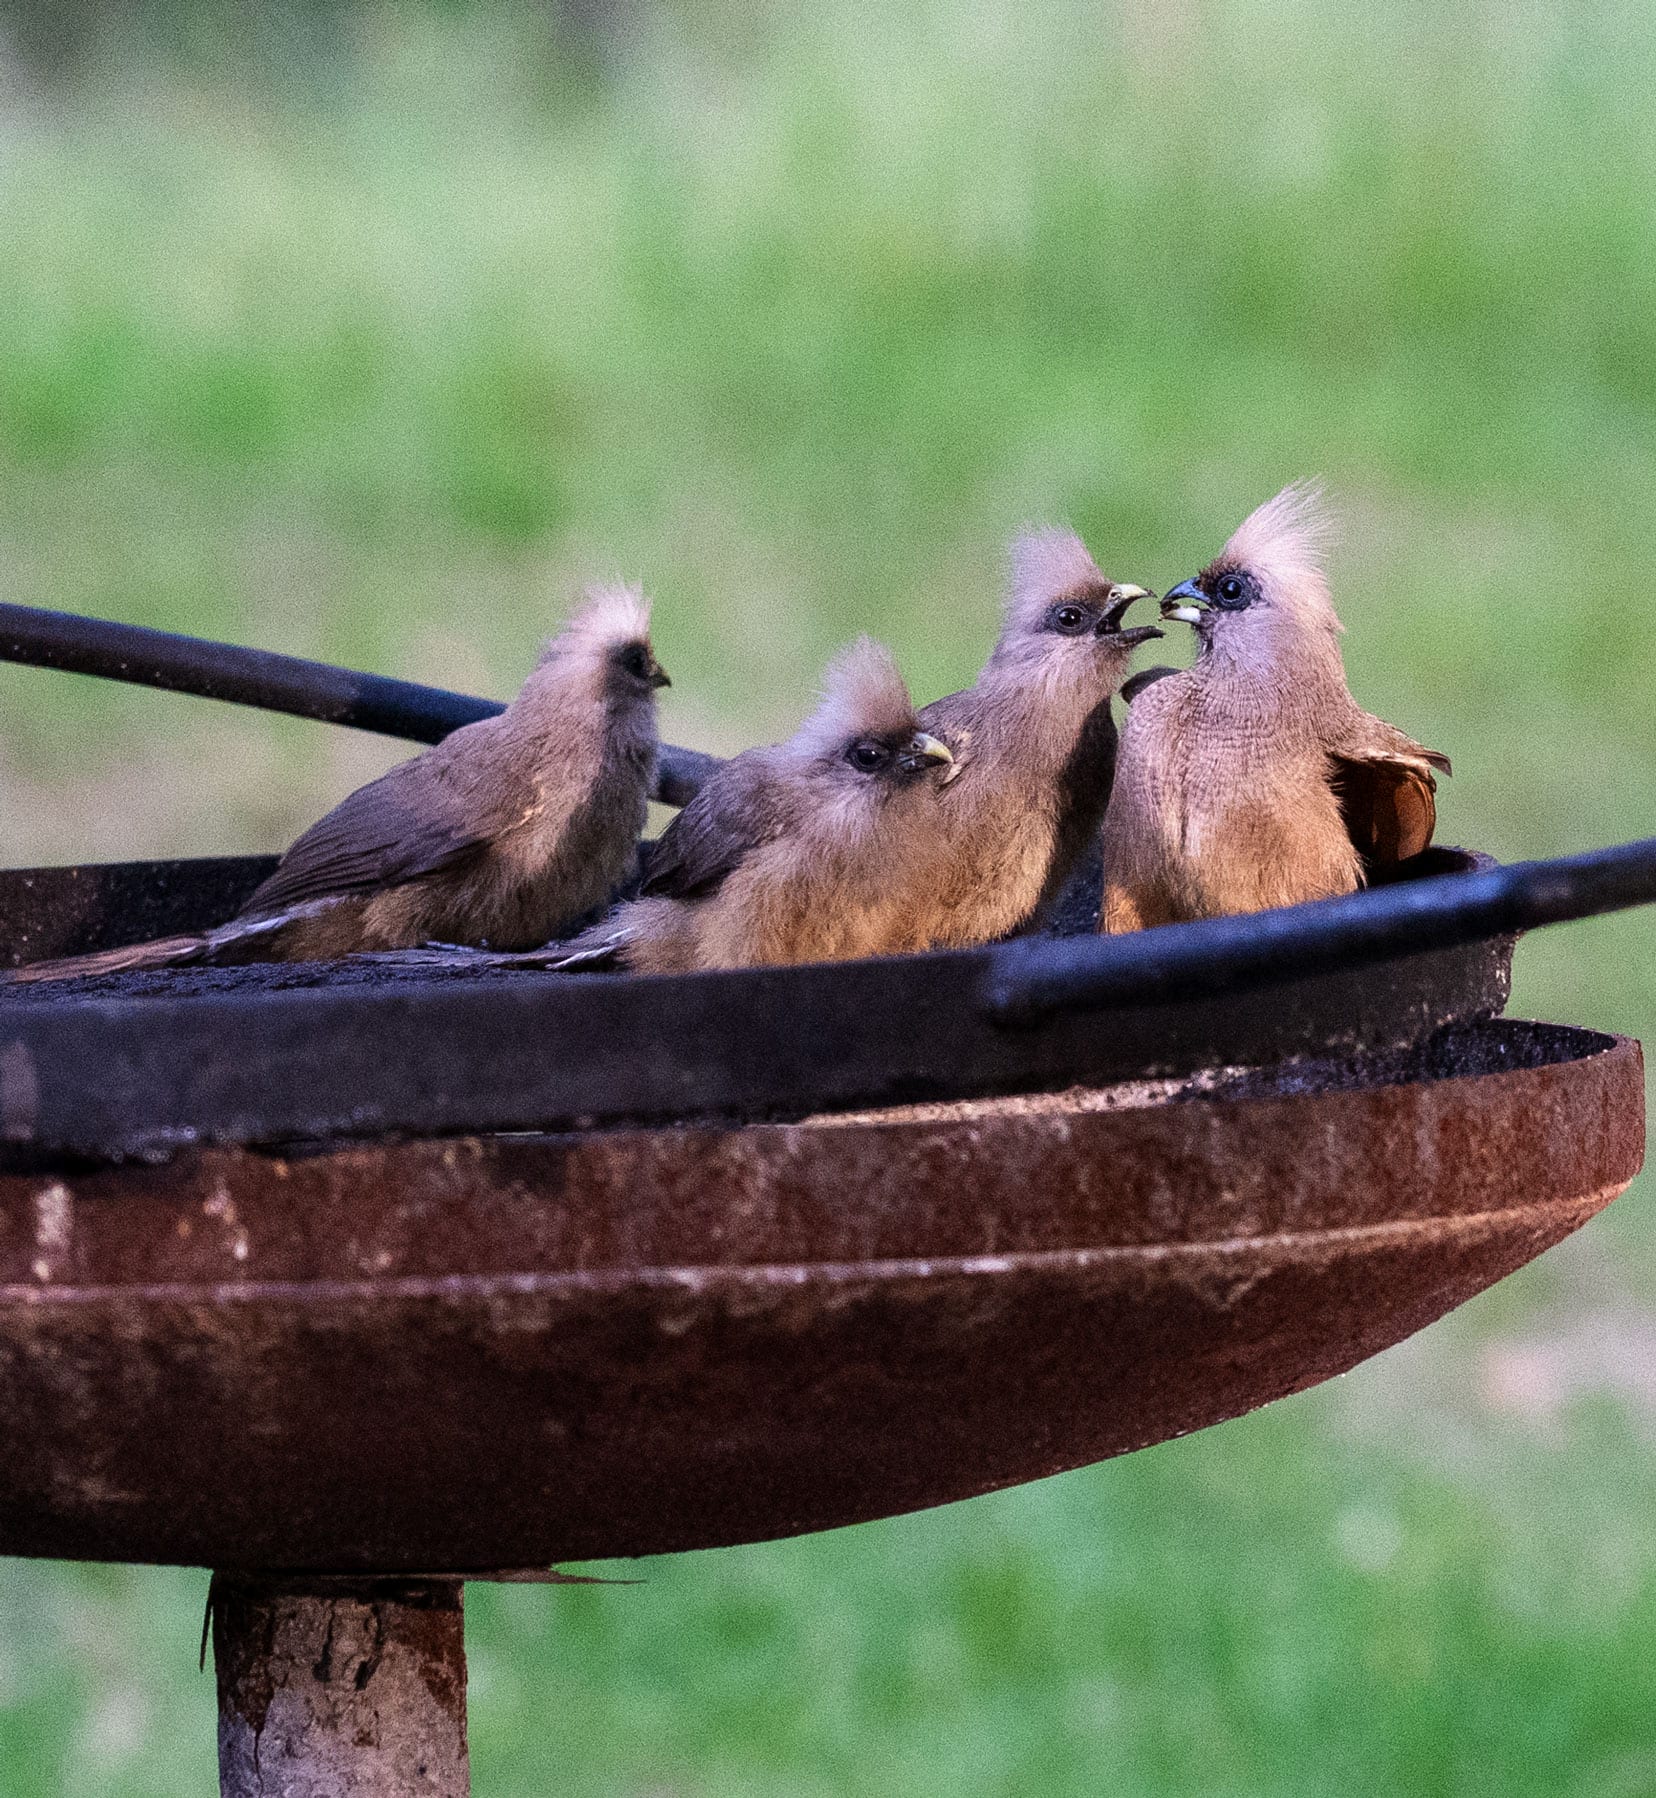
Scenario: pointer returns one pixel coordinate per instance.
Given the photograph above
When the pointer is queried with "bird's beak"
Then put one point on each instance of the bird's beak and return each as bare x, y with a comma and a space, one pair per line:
924, 749
1109, 621
657, 676
1186, 602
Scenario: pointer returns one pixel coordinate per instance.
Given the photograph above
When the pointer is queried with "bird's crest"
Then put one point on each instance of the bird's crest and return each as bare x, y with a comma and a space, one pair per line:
610, 612
1283, 543
1047, 563
863, 695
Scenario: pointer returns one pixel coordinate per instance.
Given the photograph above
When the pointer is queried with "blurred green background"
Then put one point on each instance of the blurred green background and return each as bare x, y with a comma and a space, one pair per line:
371, 332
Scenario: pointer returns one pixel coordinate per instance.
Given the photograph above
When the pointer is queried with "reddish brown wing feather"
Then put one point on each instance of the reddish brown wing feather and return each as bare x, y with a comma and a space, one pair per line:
1389, 807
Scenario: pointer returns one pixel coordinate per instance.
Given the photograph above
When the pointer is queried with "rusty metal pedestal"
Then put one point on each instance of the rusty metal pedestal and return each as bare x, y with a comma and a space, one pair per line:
340, 1689
267, 1234
384, 1367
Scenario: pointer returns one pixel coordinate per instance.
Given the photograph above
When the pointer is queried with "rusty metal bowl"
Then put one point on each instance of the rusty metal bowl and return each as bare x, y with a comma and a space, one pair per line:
483, 1353
139, 1064
334, 1278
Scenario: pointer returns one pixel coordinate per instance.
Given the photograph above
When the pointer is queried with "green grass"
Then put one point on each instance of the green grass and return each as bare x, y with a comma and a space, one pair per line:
375, 340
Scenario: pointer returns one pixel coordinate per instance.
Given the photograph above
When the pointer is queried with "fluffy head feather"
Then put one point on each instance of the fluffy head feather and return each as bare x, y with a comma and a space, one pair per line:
1047, 565
609, 614
1282, 544
863, 695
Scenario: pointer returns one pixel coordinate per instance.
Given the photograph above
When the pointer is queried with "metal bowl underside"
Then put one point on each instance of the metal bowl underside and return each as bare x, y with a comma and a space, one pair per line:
498, 1352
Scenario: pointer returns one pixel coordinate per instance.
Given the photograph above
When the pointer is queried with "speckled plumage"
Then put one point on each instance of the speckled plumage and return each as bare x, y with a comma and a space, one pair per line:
791, 853
1253, 779
504, 834
1034, 744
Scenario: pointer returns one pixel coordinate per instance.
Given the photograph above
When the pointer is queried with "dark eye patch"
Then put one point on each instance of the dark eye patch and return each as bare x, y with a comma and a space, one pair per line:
1070, 618
868, 755
1233, 590
634, 660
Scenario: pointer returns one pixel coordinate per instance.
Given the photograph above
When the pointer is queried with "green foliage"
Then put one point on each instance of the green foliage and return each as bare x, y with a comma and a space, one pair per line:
374, 336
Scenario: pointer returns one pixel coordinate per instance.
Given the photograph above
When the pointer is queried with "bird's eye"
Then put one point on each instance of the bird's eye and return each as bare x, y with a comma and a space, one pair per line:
868, 756
1069, 619
635, 661
1231, 589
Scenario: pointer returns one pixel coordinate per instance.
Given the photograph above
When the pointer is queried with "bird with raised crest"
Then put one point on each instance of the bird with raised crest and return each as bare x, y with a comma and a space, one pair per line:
820, 848
1253, 779
1034, 743
507, 833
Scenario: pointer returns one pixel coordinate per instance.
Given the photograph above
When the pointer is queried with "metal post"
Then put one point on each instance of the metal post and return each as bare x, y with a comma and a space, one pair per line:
340, 1689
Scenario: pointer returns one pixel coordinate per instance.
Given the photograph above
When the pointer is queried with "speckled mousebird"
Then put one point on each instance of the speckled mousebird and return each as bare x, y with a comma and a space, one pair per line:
820, 848
1034, 742
503, 835
1253, 778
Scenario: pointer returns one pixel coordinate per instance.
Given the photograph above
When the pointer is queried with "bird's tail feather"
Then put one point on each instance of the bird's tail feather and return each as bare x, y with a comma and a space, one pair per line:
583, 957
247, 940
241, 940
588, 953
163, 952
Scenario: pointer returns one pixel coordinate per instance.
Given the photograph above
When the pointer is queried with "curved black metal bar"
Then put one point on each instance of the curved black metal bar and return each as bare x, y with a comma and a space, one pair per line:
1036, 978
144, 1064
273, 682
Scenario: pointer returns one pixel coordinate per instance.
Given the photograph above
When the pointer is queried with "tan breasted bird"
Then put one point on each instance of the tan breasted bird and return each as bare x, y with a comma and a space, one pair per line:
817, 849
1034, 743
505, 834
1253, 778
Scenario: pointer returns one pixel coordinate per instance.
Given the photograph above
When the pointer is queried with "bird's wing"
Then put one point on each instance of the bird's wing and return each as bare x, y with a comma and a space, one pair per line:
735, 812
1146, 677
417, 820
1386, 786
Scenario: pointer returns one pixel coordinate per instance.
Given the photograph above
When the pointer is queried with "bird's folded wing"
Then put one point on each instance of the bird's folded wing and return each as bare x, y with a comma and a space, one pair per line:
407, 824
1387, 789
731, 816
1146, 677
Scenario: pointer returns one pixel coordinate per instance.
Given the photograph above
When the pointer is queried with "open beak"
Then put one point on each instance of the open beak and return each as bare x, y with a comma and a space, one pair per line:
1186, 602
1109, 622
924, 749
657, 676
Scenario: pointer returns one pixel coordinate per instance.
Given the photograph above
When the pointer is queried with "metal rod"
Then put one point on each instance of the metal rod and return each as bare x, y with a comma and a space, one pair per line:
275, 683
340, 1691
1036, 978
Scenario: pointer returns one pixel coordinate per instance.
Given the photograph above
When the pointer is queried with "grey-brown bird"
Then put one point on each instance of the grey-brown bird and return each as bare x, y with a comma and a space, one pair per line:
816, 849
504, 834
1253, 778
1034, 743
